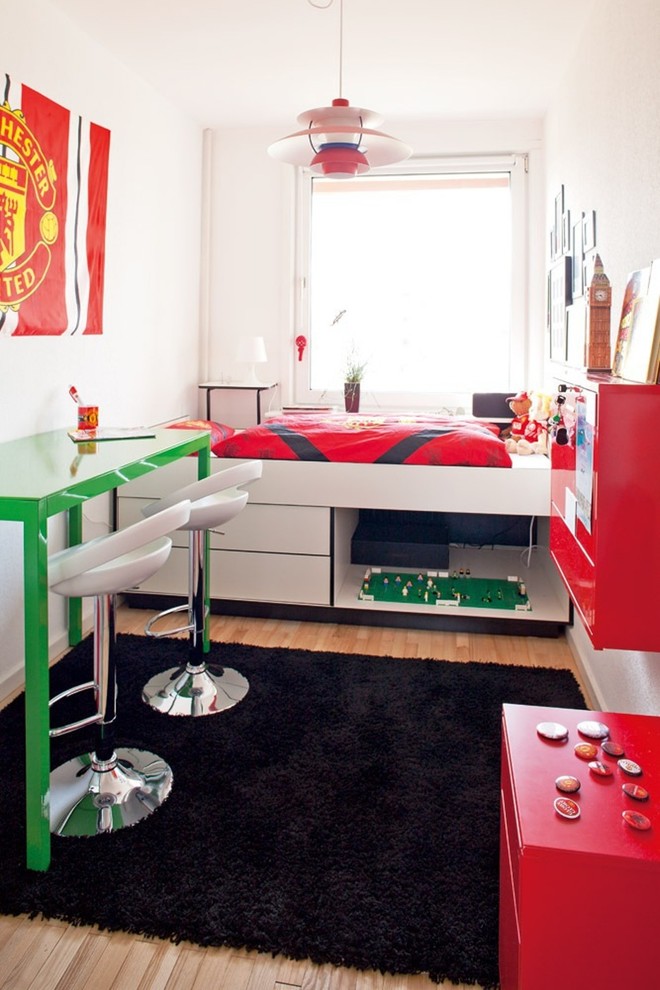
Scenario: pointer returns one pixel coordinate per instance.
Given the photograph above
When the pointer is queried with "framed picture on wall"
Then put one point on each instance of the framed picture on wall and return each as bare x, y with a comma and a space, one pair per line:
576, 333
559, 297
589, 230
559, 208
577, 254
557, 228
566, 232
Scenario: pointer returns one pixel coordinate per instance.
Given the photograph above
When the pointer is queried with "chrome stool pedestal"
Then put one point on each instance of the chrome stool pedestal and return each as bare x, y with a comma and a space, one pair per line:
90, 796
196, 687
189, 690
109, 788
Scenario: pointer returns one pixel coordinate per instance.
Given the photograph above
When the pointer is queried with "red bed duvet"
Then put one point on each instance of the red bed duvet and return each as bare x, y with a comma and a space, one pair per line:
363, 439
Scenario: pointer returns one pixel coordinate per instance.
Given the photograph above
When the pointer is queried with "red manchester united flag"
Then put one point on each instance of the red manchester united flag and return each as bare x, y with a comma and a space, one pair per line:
53, 194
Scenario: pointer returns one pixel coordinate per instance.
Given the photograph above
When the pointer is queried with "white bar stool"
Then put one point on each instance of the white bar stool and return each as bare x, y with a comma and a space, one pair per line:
109, 788
197, 688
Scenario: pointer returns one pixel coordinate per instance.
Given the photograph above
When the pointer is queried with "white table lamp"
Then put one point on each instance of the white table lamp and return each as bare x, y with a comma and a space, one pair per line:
251, 351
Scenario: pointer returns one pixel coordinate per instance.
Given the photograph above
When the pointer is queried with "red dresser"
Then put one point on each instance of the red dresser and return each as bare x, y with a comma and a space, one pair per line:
605, 511
578, 898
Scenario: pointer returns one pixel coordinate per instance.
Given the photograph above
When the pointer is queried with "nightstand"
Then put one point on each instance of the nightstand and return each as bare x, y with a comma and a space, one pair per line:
211, 387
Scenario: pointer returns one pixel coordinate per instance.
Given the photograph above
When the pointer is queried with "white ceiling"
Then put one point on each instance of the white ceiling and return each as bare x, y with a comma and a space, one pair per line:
251, 62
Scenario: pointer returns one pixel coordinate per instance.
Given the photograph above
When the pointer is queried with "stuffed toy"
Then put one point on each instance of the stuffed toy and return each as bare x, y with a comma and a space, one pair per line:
529, 427
539, 414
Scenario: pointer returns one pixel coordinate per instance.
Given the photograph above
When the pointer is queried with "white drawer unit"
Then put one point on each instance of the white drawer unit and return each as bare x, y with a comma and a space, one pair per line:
269, 553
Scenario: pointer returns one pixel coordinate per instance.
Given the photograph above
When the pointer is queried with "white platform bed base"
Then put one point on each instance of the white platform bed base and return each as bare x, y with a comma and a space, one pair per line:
523, 489
288, 554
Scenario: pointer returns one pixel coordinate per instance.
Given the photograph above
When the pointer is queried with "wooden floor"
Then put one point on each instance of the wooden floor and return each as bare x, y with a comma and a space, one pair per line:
51, 955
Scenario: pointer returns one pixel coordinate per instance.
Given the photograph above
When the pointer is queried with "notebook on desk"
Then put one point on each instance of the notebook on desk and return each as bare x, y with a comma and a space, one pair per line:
119, 433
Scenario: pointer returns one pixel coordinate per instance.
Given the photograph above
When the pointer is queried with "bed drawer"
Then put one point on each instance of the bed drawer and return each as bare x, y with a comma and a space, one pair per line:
277, 529
269, 577
264, 577
261, 528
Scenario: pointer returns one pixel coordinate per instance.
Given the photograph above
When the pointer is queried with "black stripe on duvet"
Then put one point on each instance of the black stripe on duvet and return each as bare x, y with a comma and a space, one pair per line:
401, 451
303, 448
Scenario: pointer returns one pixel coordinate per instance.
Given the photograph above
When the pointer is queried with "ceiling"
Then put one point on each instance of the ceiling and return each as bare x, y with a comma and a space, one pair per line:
261, 62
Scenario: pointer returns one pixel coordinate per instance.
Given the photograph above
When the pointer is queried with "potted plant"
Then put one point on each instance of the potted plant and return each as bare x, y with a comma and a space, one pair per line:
353, 375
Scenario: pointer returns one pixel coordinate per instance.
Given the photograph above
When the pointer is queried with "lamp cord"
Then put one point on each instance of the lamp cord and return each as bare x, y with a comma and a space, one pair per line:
324, 6
341, 46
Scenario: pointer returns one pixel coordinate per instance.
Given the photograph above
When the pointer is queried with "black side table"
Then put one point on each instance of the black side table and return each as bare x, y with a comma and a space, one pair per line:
236, 387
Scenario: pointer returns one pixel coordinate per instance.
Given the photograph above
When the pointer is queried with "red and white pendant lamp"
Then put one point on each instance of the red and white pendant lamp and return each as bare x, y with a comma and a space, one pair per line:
339, 141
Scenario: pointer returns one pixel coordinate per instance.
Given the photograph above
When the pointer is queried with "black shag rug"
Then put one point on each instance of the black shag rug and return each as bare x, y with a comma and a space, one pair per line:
346, 811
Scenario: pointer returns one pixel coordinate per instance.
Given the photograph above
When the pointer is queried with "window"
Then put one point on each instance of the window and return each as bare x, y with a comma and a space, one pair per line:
420, 273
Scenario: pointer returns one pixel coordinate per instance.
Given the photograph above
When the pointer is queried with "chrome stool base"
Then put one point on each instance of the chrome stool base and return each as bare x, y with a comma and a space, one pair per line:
195, 690
90, 796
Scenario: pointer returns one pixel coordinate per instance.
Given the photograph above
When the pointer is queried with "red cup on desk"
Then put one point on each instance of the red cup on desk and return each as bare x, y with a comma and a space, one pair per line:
88, 418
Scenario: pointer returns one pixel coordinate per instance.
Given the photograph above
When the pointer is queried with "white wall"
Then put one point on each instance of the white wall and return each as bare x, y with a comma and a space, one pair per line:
602, 137
602, 141
144, 367
250, 268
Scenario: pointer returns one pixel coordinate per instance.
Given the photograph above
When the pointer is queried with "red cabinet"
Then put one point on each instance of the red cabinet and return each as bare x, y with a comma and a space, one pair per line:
605, 511
578, 898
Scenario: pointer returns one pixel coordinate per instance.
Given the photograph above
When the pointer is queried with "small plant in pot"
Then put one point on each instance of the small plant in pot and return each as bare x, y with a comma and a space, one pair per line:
353, 375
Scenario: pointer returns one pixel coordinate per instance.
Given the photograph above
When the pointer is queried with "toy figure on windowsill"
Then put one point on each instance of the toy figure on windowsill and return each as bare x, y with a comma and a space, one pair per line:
529, 428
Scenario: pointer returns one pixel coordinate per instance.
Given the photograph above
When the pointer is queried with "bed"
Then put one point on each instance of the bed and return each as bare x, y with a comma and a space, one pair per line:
368, 439
392, 461
292, 546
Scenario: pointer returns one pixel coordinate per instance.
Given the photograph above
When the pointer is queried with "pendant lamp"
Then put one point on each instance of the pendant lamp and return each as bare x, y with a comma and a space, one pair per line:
339, 141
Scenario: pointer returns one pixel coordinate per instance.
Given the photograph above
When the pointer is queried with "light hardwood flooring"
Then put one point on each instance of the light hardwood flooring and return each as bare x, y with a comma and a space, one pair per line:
51, 955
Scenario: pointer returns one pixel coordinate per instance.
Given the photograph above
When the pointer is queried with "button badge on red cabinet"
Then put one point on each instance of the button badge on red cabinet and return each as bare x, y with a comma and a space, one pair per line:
552, 730
595, 730
600, 769
567, 783
630, 767
635, 791
636, 820
567, 807
586, 751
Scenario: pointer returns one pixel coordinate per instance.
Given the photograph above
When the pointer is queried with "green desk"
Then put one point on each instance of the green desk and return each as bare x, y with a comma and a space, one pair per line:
42, 476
